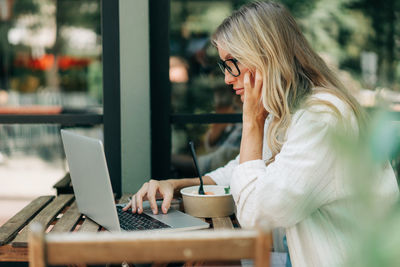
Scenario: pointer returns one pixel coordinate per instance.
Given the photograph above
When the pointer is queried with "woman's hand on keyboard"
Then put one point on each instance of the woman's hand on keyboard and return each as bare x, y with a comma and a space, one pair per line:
151, 191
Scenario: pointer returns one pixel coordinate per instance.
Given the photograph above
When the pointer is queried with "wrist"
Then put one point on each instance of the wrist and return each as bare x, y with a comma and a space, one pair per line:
178, 184
253, 126
256, 120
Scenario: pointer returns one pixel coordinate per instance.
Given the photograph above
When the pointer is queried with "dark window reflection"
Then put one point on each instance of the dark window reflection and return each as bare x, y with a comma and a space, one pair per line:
194, 73
198, 87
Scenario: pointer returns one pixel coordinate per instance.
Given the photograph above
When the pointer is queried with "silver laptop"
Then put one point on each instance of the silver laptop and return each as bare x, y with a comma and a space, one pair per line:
94, 196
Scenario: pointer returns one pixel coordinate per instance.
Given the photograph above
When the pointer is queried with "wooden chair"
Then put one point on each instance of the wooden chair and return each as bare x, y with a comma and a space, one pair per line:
147, 247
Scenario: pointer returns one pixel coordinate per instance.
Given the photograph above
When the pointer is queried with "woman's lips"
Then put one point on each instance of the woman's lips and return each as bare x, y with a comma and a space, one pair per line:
239, 91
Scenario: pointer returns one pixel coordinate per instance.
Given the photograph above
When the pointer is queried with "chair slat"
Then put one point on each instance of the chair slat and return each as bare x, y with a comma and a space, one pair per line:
263, 246
11, 254
37, 252
44, 217
18, 221
68, 221
222, 223
151, 247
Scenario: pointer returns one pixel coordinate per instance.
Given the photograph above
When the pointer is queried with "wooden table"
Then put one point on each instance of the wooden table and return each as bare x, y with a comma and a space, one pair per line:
60, 214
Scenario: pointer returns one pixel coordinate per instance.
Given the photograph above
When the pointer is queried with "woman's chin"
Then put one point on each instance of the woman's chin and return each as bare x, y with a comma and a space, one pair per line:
242, 98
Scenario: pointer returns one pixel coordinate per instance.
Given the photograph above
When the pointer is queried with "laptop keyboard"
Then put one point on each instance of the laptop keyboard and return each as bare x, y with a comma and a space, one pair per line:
132, 221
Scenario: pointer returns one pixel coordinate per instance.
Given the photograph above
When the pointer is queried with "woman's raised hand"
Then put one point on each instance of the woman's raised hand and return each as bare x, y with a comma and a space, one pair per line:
253, 109
151, 191
254, 115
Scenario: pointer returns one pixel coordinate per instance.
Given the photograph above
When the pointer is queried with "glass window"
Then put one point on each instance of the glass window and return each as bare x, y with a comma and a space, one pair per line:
358, 43
50, 55
50, 64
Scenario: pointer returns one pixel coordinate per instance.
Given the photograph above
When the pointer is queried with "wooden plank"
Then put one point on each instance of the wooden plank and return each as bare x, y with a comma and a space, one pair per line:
64, 182
69, 220
89, 226
222, 223
9, 253
64, 186
44, 217
143, 246
22, 218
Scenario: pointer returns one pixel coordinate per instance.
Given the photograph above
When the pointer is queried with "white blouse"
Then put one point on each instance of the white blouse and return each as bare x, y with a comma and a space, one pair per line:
305, 189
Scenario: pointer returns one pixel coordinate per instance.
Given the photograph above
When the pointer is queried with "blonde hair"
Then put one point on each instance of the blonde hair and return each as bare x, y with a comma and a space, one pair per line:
265, 36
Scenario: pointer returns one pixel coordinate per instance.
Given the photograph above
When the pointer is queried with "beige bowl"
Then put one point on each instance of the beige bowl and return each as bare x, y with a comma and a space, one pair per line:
206, 206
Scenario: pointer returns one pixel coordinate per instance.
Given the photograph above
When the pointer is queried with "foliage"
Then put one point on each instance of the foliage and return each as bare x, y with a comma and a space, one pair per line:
25, 7
333, 28
374, 237
385, 19
300, 9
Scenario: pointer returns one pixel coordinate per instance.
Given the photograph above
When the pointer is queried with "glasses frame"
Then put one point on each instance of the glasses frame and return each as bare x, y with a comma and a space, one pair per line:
222, 65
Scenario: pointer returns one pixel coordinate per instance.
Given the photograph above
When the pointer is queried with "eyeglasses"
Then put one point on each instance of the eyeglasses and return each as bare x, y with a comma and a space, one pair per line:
230, 65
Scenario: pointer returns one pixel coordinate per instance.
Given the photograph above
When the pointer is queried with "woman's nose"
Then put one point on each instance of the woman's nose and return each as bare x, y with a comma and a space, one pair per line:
229, 78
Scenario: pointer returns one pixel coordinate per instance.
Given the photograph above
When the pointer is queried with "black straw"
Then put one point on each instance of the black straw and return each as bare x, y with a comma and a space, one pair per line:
191, 146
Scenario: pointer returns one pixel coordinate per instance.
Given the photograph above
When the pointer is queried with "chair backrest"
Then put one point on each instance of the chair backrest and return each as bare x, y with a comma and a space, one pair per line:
147, 246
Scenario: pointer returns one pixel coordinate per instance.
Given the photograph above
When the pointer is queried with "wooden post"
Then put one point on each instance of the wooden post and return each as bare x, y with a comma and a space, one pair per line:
36, 246
263, 249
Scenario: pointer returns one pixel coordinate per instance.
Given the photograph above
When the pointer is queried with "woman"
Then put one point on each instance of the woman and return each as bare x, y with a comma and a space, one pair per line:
287, 174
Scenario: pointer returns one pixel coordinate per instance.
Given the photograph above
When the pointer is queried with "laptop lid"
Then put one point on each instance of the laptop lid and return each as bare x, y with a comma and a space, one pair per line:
93, 190
90, 179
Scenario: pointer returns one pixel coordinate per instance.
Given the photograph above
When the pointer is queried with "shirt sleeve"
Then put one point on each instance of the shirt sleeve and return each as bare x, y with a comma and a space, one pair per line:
298, 182
223, 175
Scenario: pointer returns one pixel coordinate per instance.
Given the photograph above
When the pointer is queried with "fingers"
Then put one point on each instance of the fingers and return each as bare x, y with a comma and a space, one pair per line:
258, 81
246, 81
139, 198
150, 191
131, 204
253, 81
166, 204
133, 201
151, 195
128, 205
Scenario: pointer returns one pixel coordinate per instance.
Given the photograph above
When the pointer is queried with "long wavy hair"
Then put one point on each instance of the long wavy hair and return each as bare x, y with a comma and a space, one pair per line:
265, 36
